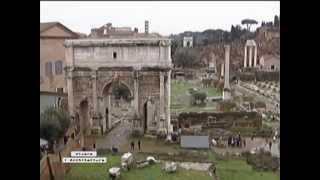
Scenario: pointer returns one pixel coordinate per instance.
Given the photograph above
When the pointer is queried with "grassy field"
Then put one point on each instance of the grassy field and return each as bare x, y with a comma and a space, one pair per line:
226, 170
240, 170
180, 98
154, 172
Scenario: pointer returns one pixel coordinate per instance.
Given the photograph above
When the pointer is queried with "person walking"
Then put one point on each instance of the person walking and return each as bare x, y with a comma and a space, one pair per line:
132, 145
232, 142
229, 141
270, 145
139, 144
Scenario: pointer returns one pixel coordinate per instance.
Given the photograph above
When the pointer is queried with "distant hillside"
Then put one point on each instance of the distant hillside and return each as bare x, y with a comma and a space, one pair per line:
211, 42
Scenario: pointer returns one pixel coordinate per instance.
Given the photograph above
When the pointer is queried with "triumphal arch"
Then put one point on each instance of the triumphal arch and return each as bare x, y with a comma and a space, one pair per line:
139, 66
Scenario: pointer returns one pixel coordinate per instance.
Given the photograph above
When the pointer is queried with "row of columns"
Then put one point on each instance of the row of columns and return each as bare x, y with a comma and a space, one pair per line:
245, 61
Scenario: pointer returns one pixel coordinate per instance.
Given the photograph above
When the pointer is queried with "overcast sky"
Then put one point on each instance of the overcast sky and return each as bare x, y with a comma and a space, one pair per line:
164, 17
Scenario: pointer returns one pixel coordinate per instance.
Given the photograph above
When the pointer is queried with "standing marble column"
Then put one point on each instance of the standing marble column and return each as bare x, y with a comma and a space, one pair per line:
94, 93
136, 93
245, 57
161, 95
168, 92
222, 70
226, 90
255, 56
250, 56
109, 111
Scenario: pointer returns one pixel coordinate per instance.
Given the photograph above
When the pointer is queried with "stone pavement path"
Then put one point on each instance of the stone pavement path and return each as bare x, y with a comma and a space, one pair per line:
119, 135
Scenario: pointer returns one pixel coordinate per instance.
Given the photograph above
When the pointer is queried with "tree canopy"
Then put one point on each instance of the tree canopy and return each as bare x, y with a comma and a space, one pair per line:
186, 57
248, 22
54, 123
276, 21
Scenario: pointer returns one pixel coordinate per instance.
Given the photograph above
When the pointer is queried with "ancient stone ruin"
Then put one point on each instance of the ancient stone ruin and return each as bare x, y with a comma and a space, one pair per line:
140, 66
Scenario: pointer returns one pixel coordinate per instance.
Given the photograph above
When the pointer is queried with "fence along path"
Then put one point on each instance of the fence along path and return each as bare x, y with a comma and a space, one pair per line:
51, 166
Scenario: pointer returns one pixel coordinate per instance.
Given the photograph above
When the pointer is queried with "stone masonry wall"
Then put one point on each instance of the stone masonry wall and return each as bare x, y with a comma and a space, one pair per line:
51, 50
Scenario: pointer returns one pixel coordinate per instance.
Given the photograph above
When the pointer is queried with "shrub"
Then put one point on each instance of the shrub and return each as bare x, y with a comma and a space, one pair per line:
262, 161
198, 98
226, 106
192, 90
54, 123
161, 134
136, 133
260, 104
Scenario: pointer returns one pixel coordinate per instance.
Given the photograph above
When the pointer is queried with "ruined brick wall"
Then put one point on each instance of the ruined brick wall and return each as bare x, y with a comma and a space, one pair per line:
259, 76
236, 119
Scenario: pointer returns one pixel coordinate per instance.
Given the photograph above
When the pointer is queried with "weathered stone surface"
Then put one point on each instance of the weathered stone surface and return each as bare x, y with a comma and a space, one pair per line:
143, 164
127, 158
214, 142
170, 167
114, 171
142, 66
195, 166
151, 160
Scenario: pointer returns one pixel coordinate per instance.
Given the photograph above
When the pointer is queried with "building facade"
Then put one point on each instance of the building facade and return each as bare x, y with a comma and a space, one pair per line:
52, 56
141, 65
188, 41
270, 63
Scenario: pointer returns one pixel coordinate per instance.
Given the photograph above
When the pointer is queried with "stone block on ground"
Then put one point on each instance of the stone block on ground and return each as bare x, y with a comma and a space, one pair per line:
142, 164
127, 158
151, 160
170, 167
114, 172
214, 142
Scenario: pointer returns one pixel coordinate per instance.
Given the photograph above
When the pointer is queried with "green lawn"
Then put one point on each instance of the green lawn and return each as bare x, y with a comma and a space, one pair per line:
153, 172
240, 170
232, 169
180, 98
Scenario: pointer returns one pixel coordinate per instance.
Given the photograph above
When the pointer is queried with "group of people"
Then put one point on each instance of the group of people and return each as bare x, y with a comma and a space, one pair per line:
236, 141
132, 145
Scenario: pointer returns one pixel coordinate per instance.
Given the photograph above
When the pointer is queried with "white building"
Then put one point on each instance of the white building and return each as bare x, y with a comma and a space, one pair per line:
188, 41
270, 63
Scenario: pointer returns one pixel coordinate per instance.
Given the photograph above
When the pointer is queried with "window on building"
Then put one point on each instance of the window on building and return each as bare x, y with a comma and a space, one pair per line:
58, 67
60, 90
272, 67
114, 55
48, 68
